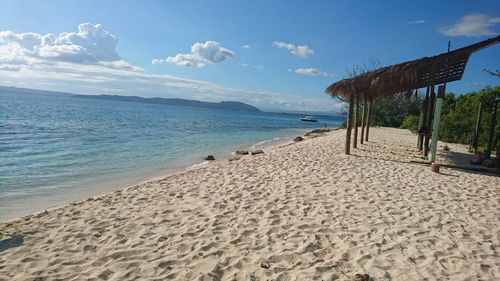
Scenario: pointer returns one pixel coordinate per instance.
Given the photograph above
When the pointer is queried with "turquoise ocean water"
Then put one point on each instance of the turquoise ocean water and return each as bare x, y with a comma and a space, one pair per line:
58, 148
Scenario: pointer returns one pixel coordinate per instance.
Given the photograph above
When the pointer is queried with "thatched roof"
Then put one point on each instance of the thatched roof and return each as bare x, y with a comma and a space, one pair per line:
406, 76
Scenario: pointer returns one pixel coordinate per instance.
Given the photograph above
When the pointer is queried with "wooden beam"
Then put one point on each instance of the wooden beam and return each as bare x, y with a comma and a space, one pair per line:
363, 120
475, 140
349, 126
368, 117
356, 121
428, 120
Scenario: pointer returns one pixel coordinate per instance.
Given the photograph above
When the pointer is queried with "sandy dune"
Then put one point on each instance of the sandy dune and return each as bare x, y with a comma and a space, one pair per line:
302, 211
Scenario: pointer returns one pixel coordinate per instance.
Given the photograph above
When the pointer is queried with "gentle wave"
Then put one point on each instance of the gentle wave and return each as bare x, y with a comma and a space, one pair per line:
198, 165
261, 143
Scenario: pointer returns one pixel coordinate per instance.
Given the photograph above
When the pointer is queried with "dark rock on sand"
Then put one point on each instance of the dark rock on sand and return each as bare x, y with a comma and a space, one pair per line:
210, 158
241, 152
265, 265
362, 277
299, 138
259, 151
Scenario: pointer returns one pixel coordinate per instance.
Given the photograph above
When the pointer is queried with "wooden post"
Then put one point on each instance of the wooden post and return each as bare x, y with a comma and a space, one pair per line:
419, 119
428, 121
475, 140
435, 167
356, 121
368, 117
437, 120
349, 126
493, 119
363, 120
496, 144
423, 118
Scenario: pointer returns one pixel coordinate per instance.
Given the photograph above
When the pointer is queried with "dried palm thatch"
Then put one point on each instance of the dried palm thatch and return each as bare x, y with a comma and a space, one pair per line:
406, 76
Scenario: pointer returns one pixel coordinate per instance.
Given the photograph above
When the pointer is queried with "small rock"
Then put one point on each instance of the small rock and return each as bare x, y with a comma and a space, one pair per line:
234, 158
362, 277
299, 138
259, 151
241, 152
210, 158
265, 265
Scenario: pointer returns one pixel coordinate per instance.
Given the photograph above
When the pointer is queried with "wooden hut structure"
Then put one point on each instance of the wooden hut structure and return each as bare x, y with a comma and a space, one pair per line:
403, 78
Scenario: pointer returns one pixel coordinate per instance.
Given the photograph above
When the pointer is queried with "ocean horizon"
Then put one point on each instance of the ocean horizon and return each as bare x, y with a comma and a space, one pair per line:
57, 148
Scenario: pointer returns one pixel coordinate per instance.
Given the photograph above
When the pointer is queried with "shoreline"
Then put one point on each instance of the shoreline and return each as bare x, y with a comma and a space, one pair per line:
96, 187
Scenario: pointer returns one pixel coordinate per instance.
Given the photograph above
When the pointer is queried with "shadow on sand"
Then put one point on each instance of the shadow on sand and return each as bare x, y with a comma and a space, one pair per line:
14, 241
404, 154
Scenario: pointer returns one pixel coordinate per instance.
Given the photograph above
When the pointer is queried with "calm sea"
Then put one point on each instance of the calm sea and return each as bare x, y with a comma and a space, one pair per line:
58, 148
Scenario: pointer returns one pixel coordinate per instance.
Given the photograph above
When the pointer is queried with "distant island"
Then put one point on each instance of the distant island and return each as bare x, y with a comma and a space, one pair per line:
225, 105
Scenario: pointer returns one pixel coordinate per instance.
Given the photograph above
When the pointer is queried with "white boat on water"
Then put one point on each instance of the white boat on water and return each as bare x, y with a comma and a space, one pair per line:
309, 118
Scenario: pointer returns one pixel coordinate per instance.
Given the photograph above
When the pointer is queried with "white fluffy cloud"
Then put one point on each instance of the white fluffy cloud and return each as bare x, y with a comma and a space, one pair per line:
91, 44
310, 72
188, 60
472, 25
87, 62
301, 50
201, 54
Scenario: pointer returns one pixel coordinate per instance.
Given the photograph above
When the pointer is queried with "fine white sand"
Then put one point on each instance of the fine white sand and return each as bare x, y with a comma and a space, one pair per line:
303, 211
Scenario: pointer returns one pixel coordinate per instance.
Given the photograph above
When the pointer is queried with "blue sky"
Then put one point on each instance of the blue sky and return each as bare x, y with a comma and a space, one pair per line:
277, 55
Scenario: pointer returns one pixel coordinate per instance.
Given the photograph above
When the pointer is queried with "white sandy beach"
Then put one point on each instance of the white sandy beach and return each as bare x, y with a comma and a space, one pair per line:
303, 211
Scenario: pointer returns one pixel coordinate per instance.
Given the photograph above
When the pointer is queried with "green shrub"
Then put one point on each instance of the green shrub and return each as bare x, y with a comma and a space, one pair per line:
410, 122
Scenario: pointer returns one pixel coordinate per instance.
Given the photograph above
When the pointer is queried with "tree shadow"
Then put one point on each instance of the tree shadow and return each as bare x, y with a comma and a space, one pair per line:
456, 158
447, 174
405, 154
460, 160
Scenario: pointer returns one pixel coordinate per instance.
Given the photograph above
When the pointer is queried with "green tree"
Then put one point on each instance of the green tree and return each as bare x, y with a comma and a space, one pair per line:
459, 116
391, 111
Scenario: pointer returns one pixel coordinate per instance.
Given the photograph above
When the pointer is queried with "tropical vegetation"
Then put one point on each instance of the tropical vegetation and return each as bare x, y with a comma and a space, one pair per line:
458, 118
